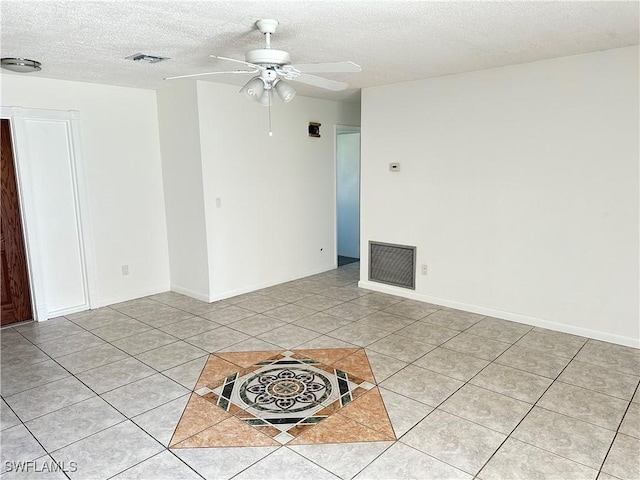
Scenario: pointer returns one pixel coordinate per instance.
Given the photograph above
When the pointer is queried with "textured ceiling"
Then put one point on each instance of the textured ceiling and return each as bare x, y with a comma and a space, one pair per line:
393, 41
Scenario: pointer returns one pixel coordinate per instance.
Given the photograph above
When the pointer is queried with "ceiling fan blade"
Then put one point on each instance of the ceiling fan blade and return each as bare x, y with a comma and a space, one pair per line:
320, 82
252, 65
210, 73
347, 67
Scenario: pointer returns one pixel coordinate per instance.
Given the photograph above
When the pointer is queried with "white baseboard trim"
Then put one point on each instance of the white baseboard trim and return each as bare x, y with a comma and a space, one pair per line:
190, 293
514, 317
65, 311
270, 283
103, 302
132, 295
251, 288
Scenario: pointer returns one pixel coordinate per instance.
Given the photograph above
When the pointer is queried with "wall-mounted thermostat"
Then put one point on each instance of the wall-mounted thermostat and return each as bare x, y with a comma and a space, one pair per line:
394, 167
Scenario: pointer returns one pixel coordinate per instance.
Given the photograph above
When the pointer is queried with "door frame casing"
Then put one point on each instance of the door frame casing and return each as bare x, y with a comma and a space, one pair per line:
32, 233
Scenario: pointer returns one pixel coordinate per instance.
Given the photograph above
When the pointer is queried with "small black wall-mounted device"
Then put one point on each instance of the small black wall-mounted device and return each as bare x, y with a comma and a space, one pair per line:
314, 129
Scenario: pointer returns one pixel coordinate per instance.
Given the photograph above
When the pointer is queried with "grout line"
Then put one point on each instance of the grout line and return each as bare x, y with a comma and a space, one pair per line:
149, 458
259, 460
604, 460
377, 456
525, 416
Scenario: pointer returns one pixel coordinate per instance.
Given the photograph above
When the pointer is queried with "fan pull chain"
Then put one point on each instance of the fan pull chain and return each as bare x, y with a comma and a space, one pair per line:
270, 131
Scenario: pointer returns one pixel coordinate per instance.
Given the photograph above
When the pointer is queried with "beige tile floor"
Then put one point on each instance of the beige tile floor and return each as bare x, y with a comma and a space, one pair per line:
100, 393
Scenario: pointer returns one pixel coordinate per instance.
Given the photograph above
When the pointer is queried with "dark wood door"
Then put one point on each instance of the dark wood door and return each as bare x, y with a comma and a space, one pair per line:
16, 296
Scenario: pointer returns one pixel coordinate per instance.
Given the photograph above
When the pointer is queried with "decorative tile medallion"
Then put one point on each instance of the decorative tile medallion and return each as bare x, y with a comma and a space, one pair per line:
273, 398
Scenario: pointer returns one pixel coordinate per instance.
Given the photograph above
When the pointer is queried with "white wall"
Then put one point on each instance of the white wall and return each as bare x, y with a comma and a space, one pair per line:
183, 189
277, 216
348, 194
519, 186
120, 150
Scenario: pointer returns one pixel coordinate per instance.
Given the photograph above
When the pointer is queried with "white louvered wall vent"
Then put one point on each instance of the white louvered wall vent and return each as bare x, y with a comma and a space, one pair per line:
392, 264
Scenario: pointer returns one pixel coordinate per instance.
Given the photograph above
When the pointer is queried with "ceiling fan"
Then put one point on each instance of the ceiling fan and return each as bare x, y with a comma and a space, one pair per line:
272, 66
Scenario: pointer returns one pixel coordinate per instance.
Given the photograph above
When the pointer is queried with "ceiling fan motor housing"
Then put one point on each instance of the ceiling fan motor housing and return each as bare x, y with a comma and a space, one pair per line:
268, 75
268, 56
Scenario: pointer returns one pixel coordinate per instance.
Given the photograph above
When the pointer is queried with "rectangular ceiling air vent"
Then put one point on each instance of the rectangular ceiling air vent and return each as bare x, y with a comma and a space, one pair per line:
392, 264
144, 58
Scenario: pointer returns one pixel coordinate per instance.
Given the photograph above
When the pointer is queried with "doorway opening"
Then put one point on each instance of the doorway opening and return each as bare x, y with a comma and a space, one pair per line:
348, 194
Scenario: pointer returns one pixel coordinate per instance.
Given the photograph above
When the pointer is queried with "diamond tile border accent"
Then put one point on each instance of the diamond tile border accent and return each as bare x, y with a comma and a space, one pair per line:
276, 397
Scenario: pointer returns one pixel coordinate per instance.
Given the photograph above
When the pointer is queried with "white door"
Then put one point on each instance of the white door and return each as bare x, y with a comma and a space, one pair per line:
49, 174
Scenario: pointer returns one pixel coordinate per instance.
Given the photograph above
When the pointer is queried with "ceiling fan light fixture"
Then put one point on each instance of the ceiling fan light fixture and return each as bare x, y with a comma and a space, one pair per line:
20, 65
285, 91
265, 98
253, 89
